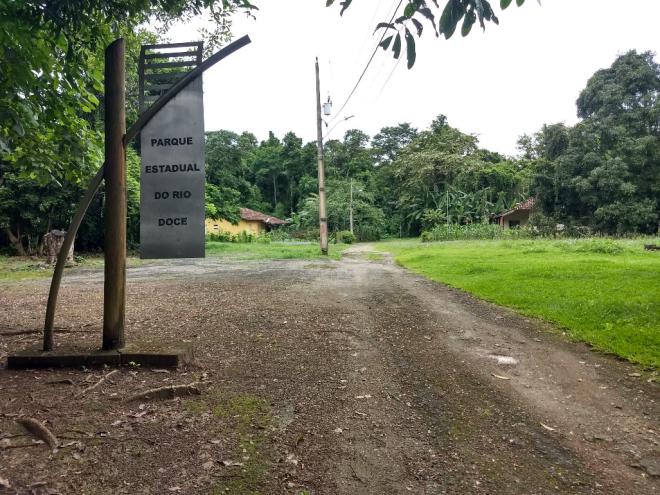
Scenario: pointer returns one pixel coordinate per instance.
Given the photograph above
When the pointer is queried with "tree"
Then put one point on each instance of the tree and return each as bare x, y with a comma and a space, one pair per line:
389, 142
442, 175
369, 220
418, 12
350, 157
605, 171
52, 67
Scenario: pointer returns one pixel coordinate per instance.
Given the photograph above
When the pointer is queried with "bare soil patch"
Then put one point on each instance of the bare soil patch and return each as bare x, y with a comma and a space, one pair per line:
327, 378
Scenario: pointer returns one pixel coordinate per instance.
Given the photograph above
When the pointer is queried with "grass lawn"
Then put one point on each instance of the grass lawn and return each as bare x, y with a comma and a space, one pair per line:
272, 251
14, 268
17, 268
603, 292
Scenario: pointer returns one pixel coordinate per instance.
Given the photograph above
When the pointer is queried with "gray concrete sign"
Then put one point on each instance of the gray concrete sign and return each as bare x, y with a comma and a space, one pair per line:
173, 180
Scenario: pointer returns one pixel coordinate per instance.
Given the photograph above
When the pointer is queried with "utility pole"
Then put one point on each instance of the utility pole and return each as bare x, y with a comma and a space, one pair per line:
323, 217
447, 196
350, 208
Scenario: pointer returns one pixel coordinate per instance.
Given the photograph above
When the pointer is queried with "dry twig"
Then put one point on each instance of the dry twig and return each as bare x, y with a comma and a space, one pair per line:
167, 392
92, 387
37, 429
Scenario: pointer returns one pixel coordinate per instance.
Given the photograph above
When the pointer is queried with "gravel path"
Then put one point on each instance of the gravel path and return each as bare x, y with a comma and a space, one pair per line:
369, 380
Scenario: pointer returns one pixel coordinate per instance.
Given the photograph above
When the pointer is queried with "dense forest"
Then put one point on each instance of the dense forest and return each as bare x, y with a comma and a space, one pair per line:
602, 175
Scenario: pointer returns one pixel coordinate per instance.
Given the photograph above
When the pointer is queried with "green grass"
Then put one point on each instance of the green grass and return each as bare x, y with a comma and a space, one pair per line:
272, 251
246, 419
603, 292
14, 268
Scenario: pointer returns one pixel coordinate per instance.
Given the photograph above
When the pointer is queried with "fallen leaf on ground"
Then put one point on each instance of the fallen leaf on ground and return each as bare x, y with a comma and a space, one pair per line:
501, 377
549, 428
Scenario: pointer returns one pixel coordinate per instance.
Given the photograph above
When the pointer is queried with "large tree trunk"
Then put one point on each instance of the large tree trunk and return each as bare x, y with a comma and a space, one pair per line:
15, 242
53, 241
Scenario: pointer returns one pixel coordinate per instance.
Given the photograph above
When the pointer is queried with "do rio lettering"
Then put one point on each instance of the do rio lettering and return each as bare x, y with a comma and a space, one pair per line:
173, 194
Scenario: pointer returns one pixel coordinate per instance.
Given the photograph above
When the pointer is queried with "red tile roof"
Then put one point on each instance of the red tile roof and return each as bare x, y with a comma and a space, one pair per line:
248, 214
528, 204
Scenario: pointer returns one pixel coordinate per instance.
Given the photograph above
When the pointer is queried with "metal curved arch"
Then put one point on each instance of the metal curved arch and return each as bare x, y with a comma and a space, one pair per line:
95, 183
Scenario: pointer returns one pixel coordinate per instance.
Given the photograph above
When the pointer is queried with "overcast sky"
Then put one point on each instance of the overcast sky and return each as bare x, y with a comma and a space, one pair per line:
497, 84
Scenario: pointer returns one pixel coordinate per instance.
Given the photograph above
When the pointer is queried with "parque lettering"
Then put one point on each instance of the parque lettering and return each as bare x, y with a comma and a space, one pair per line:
180, 167
172, 141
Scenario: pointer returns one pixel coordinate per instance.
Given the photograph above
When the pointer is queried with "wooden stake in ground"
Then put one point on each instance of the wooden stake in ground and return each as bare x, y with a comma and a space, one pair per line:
114, 295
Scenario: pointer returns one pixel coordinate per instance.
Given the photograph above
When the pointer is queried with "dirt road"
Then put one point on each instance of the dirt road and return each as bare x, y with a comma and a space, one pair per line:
349, 377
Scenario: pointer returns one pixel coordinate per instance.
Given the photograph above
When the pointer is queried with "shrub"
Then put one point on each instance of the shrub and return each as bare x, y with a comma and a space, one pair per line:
476, 231
280, 234
603, 246
307, 235
242, 237
368, 233
220, 236
345, 236
264, 238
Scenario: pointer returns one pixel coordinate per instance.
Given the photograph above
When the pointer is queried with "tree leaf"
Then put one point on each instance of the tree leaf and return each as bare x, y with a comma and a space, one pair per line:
520, 2
411, 53
385, 44
452, 13
329, 2
426, 12
383, 25
409, 10
504, 4
468, 22
344, 5
418, 25
396, 47
3, 146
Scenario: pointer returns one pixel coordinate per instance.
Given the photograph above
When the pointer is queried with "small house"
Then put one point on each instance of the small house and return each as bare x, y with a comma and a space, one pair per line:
251, 222
518, 216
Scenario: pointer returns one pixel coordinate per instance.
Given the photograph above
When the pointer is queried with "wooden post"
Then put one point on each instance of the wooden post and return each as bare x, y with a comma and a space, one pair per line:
323, 216
114, 294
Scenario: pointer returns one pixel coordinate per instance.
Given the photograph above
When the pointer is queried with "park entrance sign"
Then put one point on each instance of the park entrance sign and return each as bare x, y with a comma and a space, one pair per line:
172, 137
172, 179
172, 149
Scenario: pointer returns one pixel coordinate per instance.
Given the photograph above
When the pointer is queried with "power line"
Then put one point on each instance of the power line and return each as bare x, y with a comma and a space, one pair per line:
367, 35
368, 63
387, 80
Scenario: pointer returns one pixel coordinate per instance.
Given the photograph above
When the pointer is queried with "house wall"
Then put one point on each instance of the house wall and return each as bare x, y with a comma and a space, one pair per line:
249, 226
517, 216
